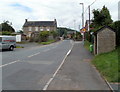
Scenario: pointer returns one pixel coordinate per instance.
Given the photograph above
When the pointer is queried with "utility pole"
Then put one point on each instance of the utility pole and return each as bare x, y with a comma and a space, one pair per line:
89, 14
75, 27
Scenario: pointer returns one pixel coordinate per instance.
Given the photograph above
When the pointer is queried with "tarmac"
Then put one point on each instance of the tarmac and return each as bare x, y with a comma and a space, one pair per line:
78, 73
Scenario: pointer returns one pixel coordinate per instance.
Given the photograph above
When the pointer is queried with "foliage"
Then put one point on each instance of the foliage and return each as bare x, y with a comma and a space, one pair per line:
116, 26
63, 31
48, 42
44, 36
20, 31
107, 64
77, 36
54, 34
101, 17
87, 45
5, 33
6, 26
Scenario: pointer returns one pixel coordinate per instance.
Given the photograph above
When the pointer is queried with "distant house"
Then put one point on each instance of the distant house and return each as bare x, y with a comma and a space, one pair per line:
104, 40
31, 27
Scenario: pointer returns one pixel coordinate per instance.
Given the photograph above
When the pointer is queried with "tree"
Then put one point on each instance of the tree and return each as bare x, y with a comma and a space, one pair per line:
6, 26
101, 17
116, 26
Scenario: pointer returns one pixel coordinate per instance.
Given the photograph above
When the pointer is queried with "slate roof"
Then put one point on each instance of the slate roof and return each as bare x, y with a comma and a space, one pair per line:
39, 23
103, 29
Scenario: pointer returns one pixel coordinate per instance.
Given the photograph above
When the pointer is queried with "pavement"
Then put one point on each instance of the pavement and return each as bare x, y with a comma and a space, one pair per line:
77, 72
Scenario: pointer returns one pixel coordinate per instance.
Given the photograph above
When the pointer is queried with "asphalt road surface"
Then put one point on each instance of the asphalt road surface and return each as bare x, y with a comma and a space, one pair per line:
31, 68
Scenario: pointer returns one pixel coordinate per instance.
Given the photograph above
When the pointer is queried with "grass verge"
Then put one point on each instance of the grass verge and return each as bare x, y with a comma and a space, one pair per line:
22, 42
107, 64
87, 45
19, 47
48, 42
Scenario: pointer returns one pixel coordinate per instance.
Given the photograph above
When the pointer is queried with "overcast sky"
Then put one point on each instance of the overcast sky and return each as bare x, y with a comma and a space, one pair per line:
65, 11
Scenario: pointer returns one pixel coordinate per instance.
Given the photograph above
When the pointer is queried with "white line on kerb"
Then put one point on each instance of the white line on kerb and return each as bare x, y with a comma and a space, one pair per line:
9, 63
50, 80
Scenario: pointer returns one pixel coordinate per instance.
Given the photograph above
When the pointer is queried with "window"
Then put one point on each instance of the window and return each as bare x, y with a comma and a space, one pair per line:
30, 28
41, 29
48, 29
36, 28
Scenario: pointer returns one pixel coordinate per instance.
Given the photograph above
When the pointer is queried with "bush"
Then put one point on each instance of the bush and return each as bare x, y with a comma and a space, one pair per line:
116, 26
5, 33
54, 34
43, 36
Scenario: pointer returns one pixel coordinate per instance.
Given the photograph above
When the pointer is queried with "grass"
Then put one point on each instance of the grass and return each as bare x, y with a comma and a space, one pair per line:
107, 64
87, 45
22, 42
19, 47
48, 42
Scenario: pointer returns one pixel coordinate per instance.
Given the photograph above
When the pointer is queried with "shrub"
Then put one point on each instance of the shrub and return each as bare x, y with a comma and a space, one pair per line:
44, 36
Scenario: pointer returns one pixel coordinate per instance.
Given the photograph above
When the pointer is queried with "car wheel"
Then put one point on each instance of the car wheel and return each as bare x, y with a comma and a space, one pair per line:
11, 48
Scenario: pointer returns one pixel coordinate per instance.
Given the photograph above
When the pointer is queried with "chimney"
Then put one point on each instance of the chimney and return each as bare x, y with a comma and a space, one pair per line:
26, 20
55, 21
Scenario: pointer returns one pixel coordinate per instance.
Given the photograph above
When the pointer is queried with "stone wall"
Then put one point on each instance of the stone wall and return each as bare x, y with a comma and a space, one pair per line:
106, 41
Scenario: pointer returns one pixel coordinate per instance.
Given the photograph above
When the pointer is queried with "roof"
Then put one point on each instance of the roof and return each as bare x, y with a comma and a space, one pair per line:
39, 23
103, 29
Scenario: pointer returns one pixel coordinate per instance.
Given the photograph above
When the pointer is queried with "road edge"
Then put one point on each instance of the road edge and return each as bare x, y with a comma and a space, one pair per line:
111, 89
50, 80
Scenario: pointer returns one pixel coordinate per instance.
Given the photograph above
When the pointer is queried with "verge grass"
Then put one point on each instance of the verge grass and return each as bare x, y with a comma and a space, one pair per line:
108, 65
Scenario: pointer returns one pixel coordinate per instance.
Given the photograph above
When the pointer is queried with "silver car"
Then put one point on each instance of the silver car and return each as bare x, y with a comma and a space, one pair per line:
7, 42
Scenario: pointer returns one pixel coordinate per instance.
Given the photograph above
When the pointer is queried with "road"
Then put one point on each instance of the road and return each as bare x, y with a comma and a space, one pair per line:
31, 68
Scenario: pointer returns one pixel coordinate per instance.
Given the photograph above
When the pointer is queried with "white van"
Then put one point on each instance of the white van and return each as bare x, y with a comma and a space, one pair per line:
7, 42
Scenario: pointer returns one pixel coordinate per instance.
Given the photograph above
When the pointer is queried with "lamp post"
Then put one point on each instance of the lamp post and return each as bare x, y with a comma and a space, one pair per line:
82, 14
83, 19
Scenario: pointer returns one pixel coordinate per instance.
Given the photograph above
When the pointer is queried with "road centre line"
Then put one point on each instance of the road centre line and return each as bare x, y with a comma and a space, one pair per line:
9, 63
28, 56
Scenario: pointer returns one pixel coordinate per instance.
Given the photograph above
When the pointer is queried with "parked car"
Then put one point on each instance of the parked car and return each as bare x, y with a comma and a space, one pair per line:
7, 42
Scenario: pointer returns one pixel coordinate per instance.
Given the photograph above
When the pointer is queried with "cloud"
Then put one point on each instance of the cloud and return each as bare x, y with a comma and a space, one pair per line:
65, 11
21, 7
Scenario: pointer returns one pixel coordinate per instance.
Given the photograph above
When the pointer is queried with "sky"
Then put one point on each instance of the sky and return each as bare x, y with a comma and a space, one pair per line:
66, 12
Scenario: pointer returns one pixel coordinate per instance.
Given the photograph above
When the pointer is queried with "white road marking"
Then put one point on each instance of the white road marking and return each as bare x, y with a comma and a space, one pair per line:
46, 50
9, 63
50, 80
34, 54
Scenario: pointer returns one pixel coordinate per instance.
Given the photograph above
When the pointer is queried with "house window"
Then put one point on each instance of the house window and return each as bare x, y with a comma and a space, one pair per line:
41, 29
30, 28
48, 29
36, 28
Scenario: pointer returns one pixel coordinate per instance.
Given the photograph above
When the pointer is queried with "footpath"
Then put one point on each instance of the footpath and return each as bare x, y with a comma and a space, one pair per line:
77, 72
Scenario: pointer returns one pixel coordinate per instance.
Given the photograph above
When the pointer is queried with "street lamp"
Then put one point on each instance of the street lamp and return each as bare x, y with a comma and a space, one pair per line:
83, 19
82, 14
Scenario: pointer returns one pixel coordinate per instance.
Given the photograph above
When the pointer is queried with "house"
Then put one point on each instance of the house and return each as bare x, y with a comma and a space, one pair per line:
31, 27
104, 40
